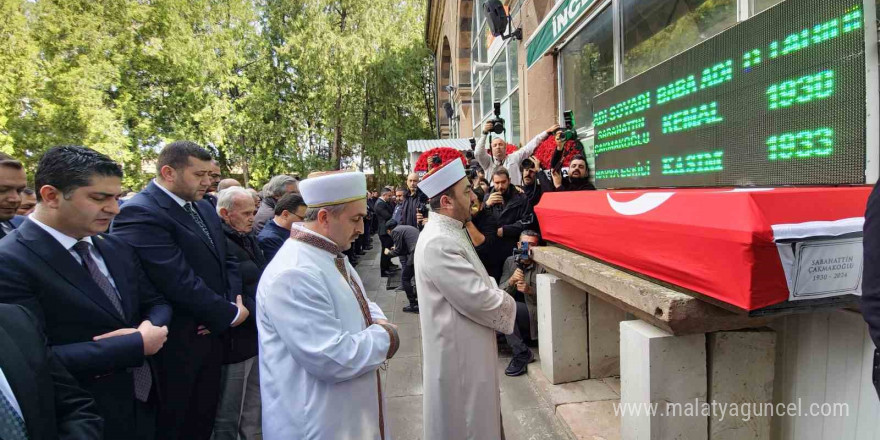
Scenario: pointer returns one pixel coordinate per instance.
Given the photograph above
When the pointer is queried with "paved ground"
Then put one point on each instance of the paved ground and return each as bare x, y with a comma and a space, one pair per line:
526, 414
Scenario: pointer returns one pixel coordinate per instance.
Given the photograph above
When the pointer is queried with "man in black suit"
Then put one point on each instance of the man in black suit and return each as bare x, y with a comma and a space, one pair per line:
102, 316
289, 209
12, 182
384, 212
180, 241
39, 399
871, 277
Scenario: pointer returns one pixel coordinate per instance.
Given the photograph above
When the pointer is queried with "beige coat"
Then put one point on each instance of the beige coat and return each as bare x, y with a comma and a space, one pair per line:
460, 307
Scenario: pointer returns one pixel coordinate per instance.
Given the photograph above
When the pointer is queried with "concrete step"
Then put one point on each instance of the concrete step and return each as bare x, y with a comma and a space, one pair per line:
585, 408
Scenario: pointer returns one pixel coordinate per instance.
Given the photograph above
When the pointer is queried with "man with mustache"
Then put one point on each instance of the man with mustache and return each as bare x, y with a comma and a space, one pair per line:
13, 182
322, 340
578, 178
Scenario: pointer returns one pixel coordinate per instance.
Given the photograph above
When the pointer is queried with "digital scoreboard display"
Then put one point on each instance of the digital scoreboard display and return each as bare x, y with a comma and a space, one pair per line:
779, 99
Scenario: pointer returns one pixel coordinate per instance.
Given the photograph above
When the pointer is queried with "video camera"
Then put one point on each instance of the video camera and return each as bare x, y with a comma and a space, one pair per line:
498, 122
520, 255
569, 133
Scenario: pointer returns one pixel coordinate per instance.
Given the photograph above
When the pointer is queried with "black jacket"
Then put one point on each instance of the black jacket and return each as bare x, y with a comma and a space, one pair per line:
384, 212
53, 405
410, 208
513, 216
242, 340
493, 248
40, 274
569, 184
871, 277
405, 238
536, 190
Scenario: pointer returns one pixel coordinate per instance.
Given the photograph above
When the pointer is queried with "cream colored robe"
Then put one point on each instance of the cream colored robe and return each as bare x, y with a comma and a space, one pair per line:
460, 307
318, 359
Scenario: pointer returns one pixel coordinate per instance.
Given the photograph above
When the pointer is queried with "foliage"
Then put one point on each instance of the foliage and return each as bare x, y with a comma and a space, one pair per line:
691, 26
270, 86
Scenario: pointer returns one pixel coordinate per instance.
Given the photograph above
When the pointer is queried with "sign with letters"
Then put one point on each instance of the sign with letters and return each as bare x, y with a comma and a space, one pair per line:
783, 98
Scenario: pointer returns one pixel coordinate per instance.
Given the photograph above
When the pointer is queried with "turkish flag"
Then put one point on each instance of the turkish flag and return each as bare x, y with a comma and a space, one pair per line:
717, 242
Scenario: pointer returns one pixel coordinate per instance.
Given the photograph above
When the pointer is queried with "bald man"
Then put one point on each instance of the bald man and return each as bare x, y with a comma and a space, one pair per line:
227, 183
410, 204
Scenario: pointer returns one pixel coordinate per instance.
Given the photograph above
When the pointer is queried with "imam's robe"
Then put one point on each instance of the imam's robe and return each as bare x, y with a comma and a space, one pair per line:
318, 358
460, 308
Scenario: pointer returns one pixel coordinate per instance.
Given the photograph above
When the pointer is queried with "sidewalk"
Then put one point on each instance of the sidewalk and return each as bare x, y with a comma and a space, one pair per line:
526, 414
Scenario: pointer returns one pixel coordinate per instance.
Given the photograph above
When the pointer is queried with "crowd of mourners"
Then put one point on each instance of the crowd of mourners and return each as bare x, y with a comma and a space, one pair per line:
92, 275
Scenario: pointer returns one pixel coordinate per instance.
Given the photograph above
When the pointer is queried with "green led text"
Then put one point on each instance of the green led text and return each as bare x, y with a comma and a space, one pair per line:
626, 127
801, 145
697, 163
817, 34
623, 109
678, 89
633, 140
801, 91
638, 170
751, 58
691, 118
717, 74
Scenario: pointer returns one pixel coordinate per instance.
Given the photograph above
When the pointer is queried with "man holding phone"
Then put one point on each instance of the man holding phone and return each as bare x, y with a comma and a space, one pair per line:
518, 279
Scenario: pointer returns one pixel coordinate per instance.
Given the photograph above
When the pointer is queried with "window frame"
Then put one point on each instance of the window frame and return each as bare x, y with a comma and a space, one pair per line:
745, 10
507, 46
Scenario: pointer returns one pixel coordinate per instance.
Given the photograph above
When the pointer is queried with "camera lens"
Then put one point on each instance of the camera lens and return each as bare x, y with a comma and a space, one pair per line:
498, 128
527, 164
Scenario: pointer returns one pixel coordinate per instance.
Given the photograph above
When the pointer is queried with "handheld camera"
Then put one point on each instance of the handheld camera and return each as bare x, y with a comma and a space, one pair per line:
569, 133
498, 122
521, 254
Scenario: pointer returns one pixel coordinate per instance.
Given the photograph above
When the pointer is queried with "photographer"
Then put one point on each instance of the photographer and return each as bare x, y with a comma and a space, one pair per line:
511, 211
491, 161
518, 279
578, 178
535, 181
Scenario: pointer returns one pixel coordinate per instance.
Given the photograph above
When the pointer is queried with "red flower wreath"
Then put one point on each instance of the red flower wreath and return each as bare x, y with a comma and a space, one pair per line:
446, 154
544, 152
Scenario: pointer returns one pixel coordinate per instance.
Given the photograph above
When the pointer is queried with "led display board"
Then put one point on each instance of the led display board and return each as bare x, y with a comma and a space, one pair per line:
783, 98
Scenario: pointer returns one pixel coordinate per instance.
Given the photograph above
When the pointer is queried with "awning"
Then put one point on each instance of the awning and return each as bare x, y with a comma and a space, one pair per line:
420, 146
560, 19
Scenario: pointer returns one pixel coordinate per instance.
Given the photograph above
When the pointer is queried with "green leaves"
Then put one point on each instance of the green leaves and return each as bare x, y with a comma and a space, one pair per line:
270, 86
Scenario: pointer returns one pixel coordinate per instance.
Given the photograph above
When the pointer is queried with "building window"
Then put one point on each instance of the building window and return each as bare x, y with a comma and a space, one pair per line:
486, 87
588, 68
656, 30
499, 83
513, 62
761, 5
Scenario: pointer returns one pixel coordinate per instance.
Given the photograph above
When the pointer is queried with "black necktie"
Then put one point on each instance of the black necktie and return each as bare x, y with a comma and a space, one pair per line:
188, 207
143, 379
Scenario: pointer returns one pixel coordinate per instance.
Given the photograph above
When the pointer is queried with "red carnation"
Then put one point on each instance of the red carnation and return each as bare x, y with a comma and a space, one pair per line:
544, 152
446, 154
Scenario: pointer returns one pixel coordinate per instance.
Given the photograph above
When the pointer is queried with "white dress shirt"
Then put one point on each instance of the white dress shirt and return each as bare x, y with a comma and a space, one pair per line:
7, 227
68, 242
182, 202
7, 392
173, 196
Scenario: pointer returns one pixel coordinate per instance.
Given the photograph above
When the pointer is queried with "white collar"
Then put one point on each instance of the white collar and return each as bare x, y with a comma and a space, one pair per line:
65, 240
173, 196
445, 220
